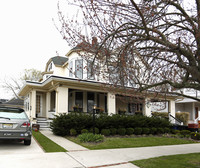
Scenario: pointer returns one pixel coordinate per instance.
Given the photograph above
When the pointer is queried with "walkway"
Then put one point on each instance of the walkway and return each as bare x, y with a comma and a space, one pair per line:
66, 144
118, 158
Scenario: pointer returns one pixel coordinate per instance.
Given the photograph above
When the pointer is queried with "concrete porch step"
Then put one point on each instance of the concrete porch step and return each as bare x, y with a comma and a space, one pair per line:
44, 123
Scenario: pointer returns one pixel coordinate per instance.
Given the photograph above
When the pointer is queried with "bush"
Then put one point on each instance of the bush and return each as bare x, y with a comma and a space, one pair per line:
62, 123
153, 131
160, 114
89, 137
129, 131
84, 131
195, 136
73, 132
183, 116
113, 131
185, 132
160, 130
138, 131
145, 131
105, 132
166, 130
96, 130
121, 131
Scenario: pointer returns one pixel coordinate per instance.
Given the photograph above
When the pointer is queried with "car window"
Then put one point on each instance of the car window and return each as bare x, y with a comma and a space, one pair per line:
13, 115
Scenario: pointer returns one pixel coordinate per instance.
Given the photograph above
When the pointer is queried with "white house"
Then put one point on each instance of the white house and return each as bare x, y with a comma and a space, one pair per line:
67, 84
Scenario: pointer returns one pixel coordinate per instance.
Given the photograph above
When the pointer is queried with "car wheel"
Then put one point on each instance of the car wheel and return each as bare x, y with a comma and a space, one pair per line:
27, 142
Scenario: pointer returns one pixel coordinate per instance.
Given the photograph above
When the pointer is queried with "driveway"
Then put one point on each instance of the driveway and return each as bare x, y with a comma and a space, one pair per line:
13, 147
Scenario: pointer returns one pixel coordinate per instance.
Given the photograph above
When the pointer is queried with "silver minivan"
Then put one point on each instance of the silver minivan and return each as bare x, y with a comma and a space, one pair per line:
14, 124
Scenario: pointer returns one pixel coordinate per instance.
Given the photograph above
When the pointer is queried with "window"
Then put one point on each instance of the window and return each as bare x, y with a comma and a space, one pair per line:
79, 68
71, 69
79, 99
90, 70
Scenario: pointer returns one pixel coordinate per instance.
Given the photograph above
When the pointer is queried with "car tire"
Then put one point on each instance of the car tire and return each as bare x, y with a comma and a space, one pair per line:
27, 142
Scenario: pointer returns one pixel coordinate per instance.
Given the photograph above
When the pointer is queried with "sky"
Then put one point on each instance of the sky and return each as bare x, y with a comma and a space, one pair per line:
28, 37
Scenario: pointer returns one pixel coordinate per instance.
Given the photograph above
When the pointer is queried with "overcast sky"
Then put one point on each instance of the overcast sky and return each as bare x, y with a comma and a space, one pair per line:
28, 37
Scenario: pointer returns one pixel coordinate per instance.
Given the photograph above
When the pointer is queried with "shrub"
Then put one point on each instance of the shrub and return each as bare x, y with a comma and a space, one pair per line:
177, 131
153, 130
129, 131
96, 130
160, 130
183, 116
166, 130
73, 132
195, 136
160, 114
138, 131
113, 131
185, 132
62, 123
90, 137
84, 131
121, 131
105, 132
145, 131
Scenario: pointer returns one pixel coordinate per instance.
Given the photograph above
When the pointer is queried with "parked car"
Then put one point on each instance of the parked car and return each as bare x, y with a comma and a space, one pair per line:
15, 124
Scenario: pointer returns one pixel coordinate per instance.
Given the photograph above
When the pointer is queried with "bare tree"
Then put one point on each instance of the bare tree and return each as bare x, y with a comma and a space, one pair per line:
155, 43
14, 85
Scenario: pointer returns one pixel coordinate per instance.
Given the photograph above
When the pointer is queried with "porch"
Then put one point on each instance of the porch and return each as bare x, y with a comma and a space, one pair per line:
47, 104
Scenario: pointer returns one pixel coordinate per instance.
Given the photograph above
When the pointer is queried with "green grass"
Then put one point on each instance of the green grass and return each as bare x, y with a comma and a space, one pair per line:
174, 161
47, 144
132, 142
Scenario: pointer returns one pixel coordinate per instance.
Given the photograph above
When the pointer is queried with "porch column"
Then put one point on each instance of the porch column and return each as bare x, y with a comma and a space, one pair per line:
111, 101
62, 100
33, 104
147, 107
172, 110
48, 103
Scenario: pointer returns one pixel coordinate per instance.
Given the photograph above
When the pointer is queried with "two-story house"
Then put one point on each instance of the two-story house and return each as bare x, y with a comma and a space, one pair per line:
69, 84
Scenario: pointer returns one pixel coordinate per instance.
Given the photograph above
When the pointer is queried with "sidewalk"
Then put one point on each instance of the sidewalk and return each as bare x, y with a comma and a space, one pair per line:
66, 144
118, 158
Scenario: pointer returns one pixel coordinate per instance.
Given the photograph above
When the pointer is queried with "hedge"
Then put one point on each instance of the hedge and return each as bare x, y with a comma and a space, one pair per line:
62, 123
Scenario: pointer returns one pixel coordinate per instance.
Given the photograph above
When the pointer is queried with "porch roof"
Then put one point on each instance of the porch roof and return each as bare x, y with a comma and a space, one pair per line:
53, 82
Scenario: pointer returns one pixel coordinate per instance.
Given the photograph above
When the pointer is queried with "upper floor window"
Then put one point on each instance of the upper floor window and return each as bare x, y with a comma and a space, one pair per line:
90, 70
79, 68
71, 69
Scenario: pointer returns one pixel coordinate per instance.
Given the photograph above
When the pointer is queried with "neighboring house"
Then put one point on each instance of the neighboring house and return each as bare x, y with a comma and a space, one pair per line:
68, 86
189, 105
14, 102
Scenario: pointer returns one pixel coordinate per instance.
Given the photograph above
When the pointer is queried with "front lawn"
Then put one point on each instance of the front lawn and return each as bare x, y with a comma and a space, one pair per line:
174, 161
47, 144
131, 142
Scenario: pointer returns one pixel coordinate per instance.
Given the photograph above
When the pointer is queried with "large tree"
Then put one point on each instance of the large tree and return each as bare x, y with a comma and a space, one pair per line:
156, 43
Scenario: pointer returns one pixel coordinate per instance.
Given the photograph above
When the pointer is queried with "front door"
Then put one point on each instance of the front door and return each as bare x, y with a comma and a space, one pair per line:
38, 105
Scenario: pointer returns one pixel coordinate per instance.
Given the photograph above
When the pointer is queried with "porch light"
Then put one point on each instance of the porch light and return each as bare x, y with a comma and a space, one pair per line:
93, 118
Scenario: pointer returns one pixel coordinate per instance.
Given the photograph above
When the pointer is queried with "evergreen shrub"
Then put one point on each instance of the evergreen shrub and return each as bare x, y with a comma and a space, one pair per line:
129, 131
73, 132
105, 132
145, 131
138, 131
113, 131
121, 131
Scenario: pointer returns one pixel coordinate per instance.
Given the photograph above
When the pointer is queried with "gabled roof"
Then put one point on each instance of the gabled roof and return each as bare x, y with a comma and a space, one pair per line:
58, 60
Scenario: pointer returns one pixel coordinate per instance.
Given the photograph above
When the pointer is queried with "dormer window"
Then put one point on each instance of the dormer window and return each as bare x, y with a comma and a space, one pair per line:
79, 68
